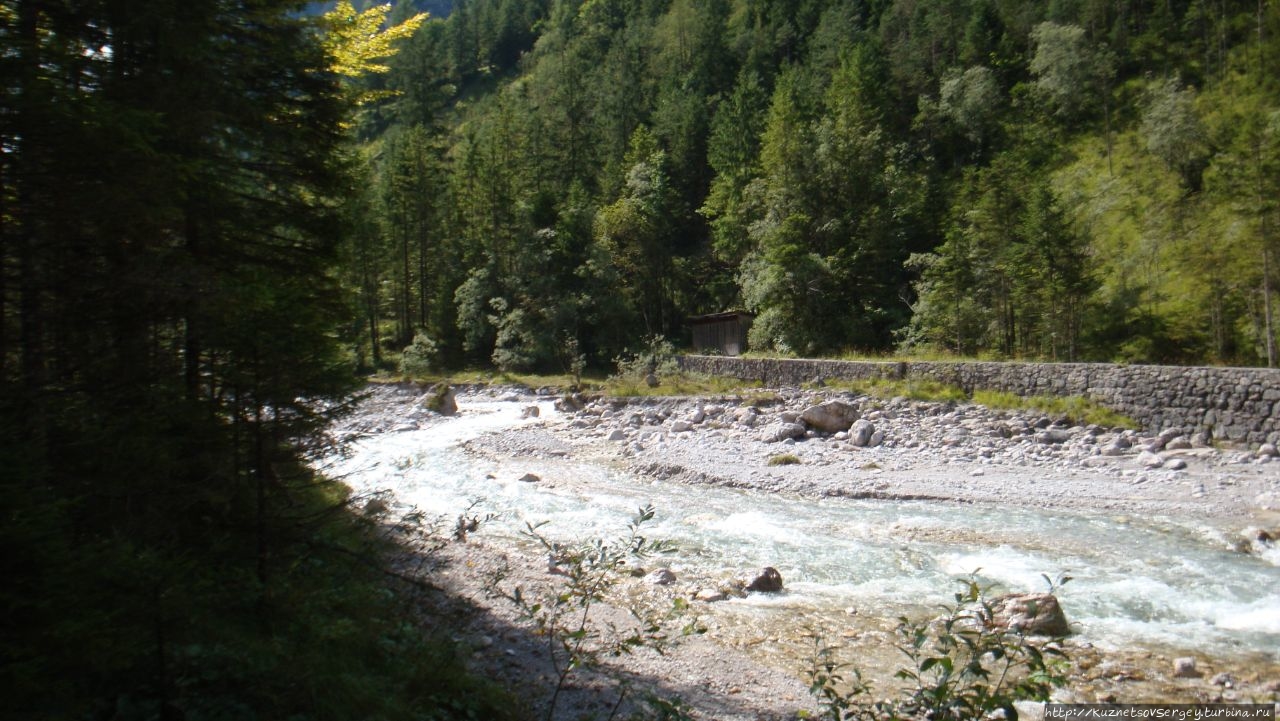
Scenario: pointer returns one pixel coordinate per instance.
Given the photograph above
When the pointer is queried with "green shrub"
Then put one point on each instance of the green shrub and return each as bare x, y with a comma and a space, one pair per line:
784, 459
420, 357
961, 666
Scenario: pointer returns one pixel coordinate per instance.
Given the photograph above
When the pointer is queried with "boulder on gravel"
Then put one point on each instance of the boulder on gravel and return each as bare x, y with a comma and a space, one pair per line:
1051, 436
768, 581
861, 432
570, 403
830, 416
1035, 614
1147, 459
442, 399
776, 432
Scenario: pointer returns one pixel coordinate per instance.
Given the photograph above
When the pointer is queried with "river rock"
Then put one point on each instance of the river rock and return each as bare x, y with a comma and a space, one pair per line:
681, 426
442, 399
1176, 464
530, 478
1035, 614
768, 581
660, 577
617, 434
1185, 667
570, 403
830, 416
861, 432
781, 431
710, 595
1053, 436
530, 412
1147, 459
1267, 449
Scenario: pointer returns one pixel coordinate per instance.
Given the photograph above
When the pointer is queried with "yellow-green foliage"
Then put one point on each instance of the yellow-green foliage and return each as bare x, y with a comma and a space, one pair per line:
1074, 408
784, 459
916, 390
359, 43
680, 384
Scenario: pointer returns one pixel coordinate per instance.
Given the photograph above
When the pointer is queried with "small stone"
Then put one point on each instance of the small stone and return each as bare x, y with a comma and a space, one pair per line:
1225, 680
1053, 436
1267, 449
660, 577
681, 426
1176, 464
1185, 667
617, 435
709, 595
530, 478
1147, 459
530, 412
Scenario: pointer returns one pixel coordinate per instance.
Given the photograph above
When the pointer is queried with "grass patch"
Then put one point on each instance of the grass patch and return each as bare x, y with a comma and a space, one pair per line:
916, 390
680, 384
1076, 409
784, 459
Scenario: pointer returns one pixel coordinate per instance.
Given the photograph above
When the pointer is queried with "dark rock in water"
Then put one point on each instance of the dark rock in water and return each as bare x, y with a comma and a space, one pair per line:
530, 412
769, 581
530, 478
1035, 614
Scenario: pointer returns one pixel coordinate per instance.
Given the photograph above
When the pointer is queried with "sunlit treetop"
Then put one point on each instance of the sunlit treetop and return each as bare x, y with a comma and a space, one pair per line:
359, 43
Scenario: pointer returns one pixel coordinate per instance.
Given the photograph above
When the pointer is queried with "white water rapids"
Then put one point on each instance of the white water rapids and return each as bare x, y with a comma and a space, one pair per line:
1146, 582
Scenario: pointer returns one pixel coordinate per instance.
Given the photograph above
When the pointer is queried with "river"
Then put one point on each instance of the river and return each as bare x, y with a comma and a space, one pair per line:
1149, 583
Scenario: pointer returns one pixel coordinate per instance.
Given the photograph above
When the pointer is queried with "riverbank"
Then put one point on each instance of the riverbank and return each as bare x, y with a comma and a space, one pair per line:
899, 450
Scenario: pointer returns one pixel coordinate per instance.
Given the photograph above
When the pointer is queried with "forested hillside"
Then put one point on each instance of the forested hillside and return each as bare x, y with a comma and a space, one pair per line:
1069, 180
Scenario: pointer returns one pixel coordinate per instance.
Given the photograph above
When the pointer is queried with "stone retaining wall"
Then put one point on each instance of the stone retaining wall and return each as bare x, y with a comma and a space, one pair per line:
1235, 404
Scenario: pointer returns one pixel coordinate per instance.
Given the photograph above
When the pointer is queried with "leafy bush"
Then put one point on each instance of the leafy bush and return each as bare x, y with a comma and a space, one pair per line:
420, 356
657, 356
962, 666
563, 615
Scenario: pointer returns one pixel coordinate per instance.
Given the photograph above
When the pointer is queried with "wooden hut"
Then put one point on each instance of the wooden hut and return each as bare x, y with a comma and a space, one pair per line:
724, 333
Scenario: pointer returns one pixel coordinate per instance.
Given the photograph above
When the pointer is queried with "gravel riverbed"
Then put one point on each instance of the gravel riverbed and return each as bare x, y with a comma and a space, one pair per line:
825, 444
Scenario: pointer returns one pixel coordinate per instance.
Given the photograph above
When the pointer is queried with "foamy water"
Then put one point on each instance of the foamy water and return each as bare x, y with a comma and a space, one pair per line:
1144, 582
